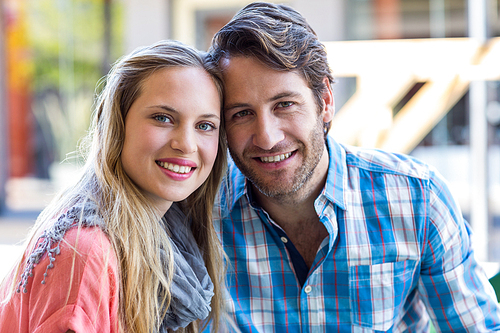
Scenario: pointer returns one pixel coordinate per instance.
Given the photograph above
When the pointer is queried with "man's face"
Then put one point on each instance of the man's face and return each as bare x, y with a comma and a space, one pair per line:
274, 127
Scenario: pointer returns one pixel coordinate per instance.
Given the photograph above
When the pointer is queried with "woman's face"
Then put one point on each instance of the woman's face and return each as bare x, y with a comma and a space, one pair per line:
171, 134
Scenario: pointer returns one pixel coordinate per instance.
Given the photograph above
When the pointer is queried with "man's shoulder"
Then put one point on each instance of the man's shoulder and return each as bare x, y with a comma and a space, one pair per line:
381, 161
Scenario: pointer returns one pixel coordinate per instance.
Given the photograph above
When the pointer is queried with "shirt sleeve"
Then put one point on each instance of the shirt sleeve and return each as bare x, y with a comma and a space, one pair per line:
80, 292
456, 290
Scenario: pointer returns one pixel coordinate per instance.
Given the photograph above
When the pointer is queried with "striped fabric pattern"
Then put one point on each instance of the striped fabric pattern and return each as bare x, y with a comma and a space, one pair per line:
398, 253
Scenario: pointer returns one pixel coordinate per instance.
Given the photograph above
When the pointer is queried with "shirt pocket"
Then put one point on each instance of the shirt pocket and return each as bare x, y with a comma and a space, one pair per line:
378, 292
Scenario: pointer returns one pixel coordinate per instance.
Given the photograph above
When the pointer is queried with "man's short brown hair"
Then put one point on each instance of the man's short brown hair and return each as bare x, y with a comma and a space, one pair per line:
280, 37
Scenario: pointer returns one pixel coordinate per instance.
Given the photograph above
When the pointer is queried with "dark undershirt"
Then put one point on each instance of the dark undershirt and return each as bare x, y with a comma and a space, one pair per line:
298, 262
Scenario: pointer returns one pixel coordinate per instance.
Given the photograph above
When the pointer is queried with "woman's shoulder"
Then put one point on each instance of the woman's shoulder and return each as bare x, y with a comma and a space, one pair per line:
83, 251
86, 241
76, 232
88, 252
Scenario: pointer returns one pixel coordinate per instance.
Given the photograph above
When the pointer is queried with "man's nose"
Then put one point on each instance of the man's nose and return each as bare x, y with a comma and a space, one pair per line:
267, 132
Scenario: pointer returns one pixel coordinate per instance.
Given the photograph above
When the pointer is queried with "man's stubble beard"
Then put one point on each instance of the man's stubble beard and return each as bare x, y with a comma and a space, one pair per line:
285, 190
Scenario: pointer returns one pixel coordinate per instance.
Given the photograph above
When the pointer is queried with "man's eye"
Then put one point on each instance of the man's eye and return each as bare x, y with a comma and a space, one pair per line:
241, 114
285, 104
206, 127
162, 118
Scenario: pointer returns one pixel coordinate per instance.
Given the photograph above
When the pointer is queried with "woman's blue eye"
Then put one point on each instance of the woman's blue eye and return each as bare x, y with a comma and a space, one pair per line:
162, 118
206, 127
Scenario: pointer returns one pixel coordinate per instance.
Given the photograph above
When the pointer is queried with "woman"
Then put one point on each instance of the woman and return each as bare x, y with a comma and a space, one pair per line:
101, 257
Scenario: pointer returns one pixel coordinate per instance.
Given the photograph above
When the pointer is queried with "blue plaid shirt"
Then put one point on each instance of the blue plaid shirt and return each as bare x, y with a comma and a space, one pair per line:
398, 246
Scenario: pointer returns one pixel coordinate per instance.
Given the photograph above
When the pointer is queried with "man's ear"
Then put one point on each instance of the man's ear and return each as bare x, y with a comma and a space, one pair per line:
328, 102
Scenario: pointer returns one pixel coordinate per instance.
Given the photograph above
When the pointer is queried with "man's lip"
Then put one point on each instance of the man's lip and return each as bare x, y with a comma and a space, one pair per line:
178, 161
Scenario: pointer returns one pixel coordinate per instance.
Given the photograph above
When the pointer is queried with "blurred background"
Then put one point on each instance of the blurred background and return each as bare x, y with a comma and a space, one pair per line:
416, 76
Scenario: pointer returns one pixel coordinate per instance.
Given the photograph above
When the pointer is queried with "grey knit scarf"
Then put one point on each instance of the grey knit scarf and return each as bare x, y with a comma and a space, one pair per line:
191, 288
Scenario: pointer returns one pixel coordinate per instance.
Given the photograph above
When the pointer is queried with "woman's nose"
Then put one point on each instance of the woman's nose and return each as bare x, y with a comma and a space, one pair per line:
184, 140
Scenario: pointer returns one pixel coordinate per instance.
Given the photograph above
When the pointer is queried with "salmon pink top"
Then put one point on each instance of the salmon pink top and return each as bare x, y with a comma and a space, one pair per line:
80, 293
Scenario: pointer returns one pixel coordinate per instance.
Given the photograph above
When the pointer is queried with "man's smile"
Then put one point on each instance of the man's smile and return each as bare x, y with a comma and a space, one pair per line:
275, 158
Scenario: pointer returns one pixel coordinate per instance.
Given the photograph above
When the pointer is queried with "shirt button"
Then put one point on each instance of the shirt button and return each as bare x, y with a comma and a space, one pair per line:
308, 289
284, 240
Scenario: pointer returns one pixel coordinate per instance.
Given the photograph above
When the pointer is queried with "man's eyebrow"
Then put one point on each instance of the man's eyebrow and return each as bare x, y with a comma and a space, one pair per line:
235, 106
284, 94
272, 99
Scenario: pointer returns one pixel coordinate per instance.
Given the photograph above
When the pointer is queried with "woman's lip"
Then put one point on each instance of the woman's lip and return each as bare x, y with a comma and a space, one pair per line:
178, 161
177, 176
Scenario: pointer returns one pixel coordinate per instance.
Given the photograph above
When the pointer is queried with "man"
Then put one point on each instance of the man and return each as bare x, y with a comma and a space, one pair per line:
322, 237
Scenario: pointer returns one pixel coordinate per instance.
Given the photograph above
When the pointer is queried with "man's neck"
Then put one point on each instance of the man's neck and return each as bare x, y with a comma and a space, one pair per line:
288, 210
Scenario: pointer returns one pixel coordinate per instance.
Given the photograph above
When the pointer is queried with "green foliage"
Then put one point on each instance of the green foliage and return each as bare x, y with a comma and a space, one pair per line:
67, 44
67, 41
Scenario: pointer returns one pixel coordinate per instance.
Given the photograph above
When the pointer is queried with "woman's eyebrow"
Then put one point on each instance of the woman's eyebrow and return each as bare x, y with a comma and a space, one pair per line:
164, 107
171, 109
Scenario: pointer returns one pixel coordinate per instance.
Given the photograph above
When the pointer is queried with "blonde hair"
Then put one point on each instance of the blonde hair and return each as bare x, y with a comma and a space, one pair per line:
132, 223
